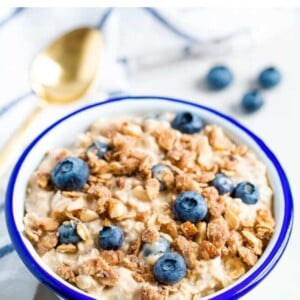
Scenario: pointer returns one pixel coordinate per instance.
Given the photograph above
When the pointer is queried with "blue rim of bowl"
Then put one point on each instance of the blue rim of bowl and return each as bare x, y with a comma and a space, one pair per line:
234, 292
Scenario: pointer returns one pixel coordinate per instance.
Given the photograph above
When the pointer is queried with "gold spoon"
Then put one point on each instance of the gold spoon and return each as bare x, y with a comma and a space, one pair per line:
60, 74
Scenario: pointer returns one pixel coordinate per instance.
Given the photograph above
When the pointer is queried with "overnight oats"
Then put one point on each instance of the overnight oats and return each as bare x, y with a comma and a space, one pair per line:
150, 207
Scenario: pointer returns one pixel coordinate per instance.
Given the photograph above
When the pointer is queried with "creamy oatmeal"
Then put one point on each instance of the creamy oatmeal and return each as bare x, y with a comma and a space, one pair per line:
159, 207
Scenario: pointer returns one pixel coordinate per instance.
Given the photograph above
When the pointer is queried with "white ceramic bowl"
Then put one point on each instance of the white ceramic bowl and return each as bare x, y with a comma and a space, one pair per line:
64, 131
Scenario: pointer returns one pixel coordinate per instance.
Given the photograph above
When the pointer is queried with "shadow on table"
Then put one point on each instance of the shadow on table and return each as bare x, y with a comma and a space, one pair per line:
44, 294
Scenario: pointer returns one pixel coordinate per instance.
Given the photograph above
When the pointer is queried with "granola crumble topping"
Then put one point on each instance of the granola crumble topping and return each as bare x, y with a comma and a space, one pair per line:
122, 191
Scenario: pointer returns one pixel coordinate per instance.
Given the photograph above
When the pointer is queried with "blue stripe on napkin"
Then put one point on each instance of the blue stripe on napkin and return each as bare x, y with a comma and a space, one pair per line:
104, 18
14, 13
5, 250
152, 11
14, 102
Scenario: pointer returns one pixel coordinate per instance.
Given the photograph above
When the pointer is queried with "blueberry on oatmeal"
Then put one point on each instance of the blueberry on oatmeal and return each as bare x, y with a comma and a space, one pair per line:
67, 234
110, 238
159, 247
247, 192
158, 172
70, 174
187, 122
169, 268
190, 206
100, 148
223, 184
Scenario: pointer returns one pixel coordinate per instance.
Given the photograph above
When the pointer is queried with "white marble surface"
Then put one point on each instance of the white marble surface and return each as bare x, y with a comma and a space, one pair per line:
278, 124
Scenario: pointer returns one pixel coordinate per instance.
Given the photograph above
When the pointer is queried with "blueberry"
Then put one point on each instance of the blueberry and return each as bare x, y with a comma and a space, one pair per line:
252, 101
99, 147
190, 206
269, 77
223, 184
70, 174
67, 234
219, 77
187, 122
158, 172
159, 247
110, 238
169, 268
247, 192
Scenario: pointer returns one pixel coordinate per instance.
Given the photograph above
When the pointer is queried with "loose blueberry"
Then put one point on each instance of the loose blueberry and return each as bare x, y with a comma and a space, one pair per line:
70, 174
99, 147
223, 184
67, 234
219, 77
169, 268
187, 122
159, 247
158, 172
252, 101
269, 77
190, 206
110, 238
247, 192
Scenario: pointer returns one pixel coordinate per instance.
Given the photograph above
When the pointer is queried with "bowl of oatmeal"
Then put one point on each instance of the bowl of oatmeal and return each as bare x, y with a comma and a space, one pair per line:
148, 198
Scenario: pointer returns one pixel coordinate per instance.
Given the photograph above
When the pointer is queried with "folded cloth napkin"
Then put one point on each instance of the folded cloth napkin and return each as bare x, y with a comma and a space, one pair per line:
134, 39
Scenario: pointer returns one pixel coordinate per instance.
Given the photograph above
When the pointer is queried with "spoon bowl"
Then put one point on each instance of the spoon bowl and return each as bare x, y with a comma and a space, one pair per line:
66, 69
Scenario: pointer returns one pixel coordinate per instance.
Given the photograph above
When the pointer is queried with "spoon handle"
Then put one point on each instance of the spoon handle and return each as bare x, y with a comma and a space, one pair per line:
16, 141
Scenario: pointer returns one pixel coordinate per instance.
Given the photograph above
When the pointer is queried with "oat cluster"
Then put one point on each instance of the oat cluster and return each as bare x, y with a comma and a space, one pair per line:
122, 191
